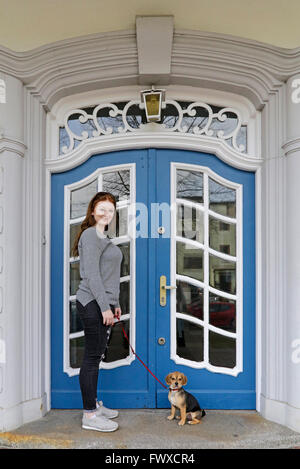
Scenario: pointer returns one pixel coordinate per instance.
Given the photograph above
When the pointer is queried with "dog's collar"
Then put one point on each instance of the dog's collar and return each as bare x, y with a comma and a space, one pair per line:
175, 389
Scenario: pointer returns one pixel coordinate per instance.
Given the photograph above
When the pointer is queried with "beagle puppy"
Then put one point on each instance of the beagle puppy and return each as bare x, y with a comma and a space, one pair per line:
184, 401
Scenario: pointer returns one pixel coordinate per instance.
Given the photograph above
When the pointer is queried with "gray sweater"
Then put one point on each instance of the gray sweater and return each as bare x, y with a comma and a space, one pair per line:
100, 262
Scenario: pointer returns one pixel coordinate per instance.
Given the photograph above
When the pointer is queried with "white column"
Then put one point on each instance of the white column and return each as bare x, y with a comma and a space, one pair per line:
292, 225
12, 151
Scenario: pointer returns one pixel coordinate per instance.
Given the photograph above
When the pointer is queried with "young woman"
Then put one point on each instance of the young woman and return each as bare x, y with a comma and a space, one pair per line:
97, 302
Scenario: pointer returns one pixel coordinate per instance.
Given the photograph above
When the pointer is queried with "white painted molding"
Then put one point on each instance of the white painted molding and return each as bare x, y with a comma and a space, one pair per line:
218, 61
1, 179
2, 91
178, 92
292, 146
24, 412
12, 145
144, 140
281, 412
272, 283
154, 36
34, 363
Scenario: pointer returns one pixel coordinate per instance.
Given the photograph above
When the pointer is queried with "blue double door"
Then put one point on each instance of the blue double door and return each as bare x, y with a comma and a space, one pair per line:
194, 232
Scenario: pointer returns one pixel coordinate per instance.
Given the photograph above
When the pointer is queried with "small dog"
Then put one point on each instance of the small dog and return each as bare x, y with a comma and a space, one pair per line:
184, 401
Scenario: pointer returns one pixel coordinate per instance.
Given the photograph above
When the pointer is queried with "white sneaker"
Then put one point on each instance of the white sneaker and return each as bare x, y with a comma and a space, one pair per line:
105, 412
99, 423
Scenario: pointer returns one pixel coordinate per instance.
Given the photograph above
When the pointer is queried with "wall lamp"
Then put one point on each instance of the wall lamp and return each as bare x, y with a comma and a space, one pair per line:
152, 100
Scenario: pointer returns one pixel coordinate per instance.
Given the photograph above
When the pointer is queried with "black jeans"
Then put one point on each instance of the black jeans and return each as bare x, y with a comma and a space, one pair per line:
96, 341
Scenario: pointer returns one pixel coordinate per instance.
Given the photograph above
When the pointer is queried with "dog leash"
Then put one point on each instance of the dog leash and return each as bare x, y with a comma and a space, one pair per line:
125, 335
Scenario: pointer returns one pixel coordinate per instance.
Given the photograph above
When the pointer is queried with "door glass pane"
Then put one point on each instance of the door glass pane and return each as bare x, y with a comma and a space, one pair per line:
189, 299
222, 199
221, 350
125, 264
122, 226
118, 183
189, 185
125, 297
222, 236
75, 321
222, 312
76, 352
80, 199
74, 230
118, 346
119, 225
74, 277
189, 340
189, 260
222, 274
190, 223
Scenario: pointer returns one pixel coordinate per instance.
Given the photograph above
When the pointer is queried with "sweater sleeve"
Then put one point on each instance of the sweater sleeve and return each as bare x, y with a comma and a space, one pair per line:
91, 252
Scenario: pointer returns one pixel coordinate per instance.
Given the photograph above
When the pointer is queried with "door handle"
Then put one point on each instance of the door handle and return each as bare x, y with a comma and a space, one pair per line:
163, 290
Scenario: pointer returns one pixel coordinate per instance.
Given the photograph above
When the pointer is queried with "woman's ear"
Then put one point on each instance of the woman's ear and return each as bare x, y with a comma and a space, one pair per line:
168, 378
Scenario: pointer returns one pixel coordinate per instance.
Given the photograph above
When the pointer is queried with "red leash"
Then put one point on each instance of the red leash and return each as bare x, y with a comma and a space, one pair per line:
140, 359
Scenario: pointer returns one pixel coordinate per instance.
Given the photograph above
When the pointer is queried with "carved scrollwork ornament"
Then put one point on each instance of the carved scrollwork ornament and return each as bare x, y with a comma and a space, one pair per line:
120, 117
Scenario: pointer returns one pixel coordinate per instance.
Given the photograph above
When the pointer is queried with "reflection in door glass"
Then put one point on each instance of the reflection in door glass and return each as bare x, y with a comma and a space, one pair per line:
222, 312
190, 223
122, 226
222, 236
74, 230
189, 299
74, 277
222, 199
221, 350
118, 183
125, 297
189, 185
80, 199
189, 340
76, 352
118, 346
189, 260
125, 264
222, 274
75, 321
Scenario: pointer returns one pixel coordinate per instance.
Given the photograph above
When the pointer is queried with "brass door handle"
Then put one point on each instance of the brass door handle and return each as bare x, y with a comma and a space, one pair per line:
163, 287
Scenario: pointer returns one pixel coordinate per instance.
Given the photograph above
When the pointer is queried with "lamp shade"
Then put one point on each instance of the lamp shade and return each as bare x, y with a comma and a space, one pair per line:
152, 100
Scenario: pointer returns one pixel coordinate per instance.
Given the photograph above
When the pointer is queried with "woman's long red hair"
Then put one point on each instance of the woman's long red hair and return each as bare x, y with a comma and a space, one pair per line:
89, 218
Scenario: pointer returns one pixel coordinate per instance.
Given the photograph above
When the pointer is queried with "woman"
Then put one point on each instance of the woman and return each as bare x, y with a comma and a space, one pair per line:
97, 302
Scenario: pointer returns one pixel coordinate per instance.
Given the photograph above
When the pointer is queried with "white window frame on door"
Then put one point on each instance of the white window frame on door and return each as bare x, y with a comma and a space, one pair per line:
130, 237
238, 297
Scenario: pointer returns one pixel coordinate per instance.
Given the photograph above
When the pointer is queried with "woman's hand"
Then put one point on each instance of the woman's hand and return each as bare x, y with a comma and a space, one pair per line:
108, 317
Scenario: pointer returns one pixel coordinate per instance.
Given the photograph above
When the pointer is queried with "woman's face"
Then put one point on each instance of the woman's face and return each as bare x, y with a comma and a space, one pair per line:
104, 212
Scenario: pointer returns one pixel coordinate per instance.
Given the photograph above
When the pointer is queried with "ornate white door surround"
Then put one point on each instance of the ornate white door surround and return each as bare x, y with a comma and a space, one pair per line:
255, 79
